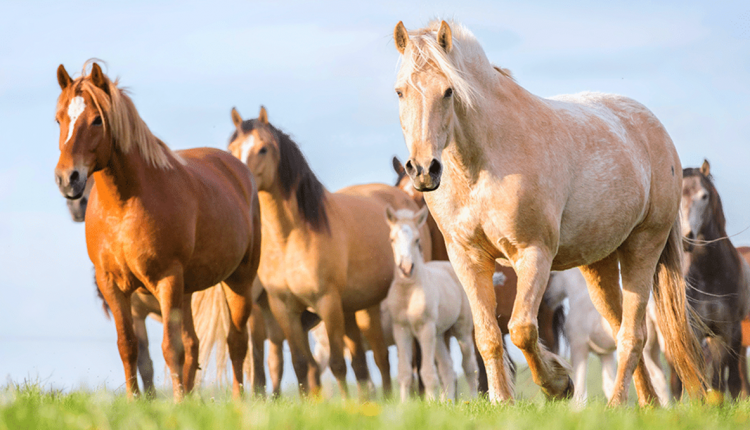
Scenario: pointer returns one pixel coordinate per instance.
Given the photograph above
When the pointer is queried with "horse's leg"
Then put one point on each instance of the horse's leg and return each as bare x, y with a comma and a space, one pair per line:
170, 293
743, 372
482, 388
734, 380
145, 364
675, 383
288, 316
190, 343
275, 351
353, 341
369, 322
330, 310
257, 329
127, 343
609, 373
469, 360
547, 369
405, 348
428, 344
579, 354
475, 273
651, 352
240, 306
445, 370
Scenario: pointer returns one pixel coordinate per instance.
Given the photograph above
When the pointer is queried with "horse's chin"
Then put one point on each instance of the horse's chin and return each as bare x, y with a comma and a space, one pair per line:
427, 188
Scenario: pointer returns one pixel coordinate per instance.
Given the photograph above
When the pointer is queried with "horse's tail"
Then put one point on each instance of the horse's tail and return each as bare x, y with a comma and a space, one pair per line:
676, 316
211, 320
558, 328
105, 306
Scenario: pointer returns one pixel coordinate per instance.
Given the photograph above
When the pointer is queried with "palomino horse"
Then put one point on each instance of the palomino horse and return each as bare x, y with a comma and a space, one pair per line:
325, 251
589, 180
718, 279
587, 332
170, 223
426, 302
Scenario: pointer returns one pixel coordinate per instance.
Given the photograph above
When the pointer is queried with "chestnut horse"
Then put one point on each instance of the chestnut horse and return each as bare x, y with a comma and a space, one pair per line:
171, 223
325, 251
719, 280
589, 180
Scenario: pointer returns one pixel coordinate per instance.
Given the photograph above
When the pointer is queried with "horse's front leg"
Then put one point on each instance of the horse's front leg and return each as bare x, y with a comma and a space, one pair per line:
145, 364
405, 347
369, 321
331, 312
474, 270
170, 291
547, 369
428, 371
353, 340
127, 343
240, 305
190, 343
257, 328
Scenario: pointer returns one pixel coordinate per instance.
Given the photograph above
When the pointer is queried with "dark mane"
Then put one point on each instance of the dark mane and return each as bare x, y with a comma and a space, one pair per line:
717, 210
296, 176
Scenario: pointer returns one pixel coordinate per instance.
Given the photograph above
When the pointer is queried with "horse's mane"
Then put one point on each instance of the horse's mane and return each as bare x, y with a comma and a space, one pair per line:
466, 54
127, 128
296, 176
717, 210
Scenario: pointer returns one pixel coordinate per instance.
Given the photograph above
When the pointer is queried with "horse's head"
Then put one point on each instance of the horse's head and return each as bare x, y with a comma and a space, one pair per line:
77, 207
85, 137
256, 145
701, 205
426, 89
405, 225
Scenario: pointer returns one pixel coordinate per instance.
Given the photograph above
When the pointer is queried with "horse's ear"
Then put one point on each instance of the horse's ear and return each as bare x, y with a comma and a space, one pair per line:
398, 167
444, 37
421, 216
98, 78
236, 119
401, 36
390, 215
263, 115
705, 168
63, 78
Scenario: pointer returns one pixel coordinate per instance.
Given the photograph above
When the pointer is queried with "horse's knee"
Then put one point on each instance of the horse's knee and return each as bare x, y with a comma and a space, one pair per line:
523, 335
338, 366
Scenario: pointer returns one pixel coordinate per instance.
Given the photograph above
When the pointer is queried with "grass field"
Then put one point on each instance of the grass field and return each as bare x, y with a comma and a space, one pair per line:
32, 407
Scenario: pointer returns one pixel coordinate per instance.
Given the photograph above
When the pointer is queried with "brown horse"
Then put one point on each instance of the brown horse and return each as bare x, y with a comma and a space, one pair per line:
719, 280
170, 223
325, 251
590, 180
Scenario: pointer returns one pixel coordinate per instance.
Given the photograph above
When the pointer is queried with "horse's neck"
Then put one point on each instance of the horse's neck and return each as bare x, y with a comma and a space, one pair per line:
123, 178
281, 216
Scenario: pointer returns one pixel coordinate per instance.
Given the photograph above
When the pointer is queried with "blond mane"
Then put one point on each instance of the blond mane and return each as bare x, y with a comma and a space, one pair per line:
466, 66
127, 128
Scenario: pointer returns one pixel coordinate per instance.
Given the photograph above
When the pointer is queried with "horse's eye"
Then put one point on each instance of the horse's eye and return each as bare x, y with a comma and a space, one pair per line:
705, 197
263, 150
399, 93
97, 120
448, 93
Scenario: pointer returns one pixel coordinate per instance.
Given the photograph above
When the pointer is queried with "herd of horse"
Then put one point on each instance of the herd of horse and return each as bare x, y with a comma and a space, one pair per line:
230, 248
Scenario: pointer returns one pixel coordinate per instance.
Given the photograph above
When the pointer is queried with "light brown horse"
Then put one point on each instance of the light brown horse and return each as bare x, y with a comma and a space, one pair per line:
325, 251
589, 180
170, 223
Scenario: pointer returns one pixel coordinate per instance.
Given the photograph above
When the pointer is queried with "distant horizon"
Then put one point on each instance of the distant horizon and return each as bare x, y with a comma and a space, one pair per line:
325, 72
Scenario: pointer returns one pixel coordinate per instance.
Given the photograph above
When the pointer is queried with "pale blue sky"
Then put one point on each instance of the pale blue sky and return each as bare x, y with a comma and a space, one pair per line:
325, 71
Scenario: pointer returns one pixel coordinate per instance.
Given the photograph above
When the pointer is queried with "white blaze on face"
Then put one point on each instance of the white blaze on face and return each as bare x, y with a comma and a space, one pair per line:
75, 109
246, 147
402, 245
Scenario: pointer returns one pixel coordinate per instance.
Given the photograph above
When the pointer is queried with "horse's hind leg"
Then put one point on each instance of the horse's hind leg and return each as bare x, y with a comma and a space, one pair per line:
742, 362
445, 370
190, 343
369, 323
465, 340
548, 370
579, 354
275, 350
330, 310
140, 312
240, 306
353, 341
475, 273
734, 360
257, 371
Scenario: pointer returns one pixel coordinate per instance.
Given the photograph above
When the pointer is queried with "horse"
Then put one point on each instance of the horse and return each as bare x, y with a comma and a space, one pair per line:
718, 277
551, 320
328, 252
426, 301
170, 223
587, 332
745, 253
590, 180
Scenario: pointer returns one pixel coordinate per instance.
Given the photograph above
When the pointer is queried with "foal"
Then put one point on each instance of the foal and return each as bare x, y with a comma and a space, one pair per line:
426, 300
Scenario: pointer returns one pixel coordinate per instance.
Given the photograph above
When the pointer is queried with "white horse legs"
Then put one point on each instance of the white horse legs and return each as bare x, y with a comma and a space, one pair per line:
579, 355
445, 370
404, 341
469, 361
609, 373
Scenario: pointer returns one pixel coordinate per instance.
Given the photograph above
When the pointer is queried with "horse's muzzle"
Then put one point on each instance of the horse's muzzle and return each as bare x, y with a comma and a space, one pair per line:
424, 180
72, 185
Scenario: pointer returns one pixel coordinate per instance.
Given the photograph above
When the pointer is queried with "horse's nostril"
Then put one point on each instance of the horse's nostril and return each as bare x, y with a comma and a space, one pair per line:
409, 166
435, 167
74, 176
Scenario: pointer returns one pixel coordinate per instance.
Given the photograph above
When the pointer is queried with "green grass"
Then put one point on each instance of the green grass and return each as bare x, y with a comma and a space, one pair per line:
30, 407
